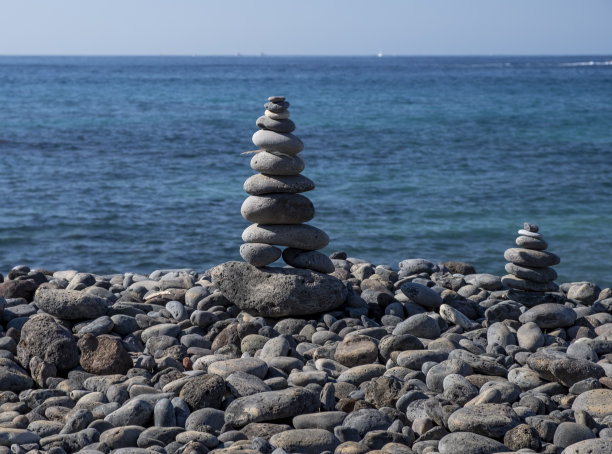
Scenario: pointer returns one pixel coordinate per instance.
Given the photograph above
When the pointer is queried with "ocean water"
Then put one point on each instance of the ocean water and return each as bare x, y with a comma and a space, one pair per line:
113, 164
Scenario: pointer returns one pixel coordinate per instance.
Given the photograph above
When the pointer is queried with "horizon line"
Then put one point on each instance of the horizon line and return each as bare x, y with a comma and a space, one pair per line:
265, 55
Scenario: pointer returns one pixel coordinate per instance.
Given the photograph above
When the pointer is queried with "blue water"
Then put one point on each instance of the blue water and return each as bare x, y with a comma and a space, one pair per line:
134, 163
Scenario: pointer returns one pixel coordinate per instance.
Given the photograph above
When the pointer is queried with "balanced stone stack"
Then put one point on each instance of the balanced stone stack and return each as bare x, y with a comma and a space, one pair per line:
530, 263
275, 206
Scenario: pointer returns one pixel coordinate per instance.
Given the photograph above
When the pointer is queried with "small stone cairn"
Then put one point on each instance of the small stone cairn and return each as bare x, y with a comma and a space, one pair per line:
529, 268
275, 207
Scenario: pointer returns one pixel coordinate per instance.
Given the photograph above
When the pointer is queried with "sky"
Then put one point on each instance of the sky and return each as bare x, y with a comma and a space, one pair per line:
307, 27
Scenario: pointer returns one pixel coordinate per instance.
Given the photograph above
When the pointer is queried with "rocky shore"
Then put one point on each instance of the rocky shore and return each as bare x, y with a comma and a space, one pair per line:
418, 358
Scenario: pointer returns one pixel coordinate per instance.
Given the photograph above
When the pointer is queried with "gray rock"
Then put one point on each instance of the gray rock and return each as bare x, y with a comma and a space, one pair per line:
12, 377
532, 274
568, 433
595, 446
421, 294
9, 436
199, 420
283, 208
553, 365
79, 420
299, 236
549, 315
451, 315
286, 125
70, 304
415, 266
259, 254
356, 350
597, 403
260, 184
203, 319
414, 359
253, 366
121, 437
436, 374
528, 242
485, 281
489, 420
163, 414
367, 420
104, 355
201, 391
270, 406
458, 389
312, 260
480, 364
101, 325
469, 443
276, 164
285, 143
419, 325
499, 334
530, 336
277, 106
307, 441
531, 258
242, 384
324, 420
177, 310
278, 292
509, 280
585, 292
41, 336
136, 412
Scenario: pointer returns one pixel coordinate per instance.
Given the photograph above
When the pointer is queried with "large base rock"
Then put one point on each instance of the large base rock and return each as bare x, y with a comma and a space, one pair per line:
278, 292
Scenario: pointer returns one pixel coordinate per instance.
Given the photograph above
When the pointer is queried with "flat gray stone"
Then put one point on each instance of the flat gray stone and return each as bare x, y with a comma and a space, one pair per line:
418, 325
312, 260
549, 315
299, 236
70, 304
12, 377
277, 209
421, 294
532, 274
414, 359
594, 446
286, 125
259, 254
278, 292
597, 402
260, 184
276, 164
253, 366
529, 242
531, 258
10, 437
532, 234
556, 366
285, 143
514, 282
307, 441
136, 412
271, 406
469, 443
490, 420
484, 280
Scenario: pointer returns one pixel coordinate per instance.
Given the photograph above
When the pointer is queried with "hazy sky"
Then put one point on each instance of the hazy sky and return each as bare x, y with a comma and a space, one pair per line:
332, 27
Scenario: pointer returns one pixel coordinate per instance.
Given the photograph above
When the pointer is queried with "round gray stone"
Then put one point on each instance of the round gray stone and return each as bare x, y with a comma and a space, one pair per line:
312, 260
285, 143
597, 445
260, 184
299, 236
490, 420
469, 443
276, 164
568, 433
225, 368
259, 254
421, 294
282, 126
307, 441
277, 209
531, 258
419, 325
278, 292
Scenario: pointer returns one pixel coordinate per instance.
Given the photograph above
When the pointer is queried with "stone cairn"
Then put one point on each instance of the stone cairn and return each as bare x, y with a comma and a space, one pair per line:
275, 207
529, 268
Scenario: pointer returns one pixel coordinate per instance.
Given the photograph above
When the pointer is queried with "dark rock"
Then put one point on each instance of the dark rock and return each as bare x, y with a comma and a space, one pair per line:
104, 355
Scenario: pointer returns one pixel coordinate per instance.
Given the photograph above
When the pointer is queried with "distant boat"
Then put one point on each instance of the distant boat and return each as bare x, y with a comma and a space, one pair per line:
379, 54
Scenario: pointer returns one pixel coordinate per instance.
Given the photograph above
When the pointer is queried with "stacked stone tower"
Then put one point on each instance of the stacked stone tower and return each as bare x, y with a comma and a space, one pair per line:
529, 268
275, 205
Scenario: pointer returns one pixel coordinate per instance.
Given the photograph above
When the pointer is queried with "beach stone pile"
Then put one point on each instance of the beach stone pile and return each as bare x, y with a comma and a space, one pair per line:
275, 207
419, 358
530, 264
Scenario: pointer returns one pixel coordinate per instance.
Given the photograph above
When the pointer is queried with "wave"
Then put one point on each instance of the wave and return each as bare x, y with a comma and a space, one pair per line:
588, 63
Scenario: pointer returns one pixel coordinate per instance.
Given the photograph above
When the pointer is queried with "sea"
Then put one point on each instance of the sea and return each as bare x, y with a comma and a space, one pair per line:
132, 164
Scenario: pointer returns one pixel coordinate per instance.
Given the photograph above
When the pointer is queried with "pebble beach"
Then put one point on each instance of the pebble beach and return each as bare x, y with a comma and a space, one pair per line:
417, 358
